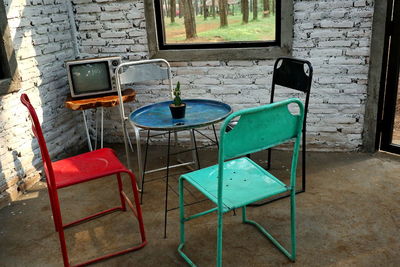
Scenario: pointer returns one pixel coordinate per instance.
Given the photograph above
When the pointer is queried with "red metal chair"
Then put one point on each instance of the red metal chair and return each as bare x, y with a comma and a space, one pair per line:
79, 169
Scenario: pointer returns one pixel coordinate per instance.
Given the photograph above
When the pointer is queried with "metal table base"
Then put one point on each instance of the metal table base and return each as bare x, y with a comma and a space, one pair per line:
157, 117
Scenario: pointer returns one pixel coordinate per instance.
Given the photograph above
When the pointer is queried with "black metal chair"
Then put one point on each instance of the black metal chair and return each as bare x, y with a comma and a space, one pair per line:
295, 74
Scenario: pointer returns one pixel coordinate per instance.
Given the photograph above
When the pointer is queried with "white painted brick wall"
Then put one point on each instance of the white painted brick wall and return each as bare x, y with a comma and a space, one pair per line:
341, 36
41, 38
333, 35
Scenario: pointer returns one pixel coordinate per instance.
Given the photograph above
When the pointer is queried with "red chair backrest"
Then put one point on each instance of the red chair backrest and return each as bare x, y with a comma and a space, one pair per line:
37, 131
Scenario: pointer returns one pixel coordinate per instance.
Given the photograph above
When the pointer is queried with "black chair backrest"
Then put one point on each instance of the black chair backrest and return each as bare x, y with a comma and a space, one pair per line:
295, 74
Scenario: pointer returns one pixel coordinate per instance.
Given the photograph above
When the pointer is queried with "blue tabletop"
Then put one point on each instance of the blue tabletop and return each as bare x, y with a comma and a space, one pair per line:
199, 112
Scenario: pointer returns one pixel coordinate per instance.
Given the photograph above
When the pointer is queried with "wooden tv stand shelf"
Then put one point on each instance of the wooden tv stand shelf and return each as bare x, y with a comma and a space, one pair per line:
128, 95
85, 103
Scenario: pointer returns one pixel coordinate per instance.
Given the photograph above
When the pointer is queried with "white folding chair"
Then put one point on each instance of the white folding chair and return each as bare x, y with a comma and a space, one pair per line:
134, 72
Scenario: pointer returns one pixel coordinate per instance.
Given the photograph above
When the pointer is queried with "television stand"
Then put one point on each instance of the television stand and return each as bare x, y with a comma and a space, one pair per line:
95, 102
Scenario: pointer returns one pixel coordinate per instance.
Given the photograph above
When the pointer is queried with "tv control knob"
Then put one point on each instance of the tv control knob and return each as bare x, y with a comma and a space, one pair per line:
115, 63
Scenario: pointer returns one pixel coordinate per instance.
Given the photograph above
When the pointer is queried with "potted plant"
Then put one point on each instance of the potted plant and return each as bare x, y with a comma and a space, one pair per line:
177, 107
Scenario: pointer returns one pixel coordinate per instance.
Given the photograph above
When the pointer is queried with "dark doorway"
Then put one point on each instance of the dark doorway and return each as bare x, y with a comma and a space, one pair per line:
390, 87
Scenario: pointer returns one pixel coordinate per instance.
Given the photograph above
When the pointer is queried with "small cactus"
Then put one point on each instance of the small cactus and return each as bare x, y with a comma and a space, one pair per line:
177, 93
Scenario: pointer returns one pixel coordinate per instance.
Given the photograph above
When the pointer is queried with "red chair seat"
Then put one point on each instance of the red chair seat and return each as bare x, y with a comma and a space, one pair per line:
86, 167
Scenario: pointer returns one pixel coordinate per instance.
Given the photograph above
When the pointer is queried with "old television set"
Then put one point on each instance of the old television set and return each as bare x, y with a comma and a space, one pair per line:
92, 76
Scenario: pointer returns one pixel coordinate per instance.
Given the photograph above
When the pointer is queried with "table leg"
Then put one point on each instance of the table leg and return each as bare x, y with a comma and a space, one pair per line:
87, 131
215, 135
144, 166
195, 153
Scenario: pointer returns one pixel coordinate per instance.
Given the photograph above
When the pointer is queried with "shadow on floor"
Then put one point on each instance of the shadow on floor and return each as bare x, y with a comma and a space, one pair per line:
350, 215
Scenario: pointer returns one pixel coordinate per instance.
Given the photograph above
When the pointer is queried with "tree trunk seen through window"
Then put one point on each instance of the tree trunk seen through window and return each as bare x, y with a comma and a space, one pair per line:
223, 13
173, 10
196, 6
245, 11
266, 8
164, 3
273, 7
255, 11
189, 19
213, 8
249, 26
205, 10
181, 8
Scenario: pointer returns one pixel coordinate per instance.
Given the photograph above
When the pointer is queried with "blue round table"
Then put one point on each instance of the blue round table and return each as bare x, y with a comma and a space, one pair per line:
199, 113
157, 117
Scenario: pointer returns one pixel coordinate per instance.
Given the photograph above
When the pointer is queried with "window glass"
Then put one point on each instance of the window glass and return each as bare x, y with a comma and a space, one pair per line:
219, 29
213, 23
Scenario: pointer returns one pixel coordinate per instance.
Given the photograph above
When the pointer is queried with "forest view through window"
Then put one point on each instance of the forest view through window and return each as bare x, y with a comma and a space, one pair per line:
217, 22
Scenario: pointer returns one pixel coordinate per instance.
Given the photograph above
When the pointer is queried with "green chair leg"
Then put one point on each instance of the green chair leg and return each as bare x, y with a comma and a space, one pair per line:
244, 216
182, 225
181, 213
291, 256
219, 239
293, 223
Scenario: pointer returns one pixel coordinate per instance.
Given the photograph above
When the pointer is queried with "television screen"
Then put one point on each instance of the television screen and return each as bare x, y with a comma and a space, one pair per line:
90, 77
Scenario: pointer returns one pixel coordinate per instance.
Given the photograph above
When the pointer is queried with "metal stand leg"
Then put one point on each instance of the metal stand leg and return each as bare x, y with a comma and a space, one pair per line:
176, 138
87, 131
102, 127
96, 129
195, 153
215, 135
144, 166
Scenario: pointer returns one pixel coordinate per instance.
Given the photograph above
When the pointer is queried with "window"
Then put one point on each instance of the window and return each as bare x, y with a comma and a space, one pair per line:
9, 79
180, 30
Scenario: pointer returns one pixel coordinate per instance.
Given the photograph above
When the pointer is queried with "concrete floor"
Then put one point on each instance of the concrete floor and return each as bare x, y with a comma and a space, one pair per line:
349, 216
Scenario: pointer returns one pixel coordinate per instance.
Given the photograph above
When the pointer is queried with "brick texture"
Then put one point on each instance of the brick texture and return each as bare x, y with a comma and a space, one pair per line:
42, 41
334, 35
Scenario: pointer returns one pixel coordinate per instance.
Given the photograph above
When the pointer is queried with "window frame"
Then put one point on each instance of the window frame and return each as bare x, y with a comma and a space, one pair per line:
9, 78
282, 46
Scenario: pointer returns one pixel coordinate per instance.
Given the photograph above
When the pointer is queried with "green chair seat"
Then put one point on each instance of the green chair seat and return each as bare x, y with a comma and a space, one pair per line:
244, 182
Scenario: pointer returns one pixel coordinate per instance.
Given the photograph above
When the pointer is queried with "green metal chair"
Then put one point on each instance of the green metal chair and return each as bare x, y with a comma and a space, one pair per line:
237, 181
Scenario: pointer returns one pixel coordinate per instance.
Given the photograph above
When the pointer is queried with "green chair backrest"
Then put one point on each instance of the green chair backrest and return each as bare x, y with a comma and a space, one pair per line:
260, 128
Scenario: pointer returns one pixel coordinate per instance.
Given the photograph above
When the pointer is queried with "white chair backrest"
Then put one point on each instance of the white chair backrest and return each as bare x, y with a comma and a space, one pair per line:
141, 71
